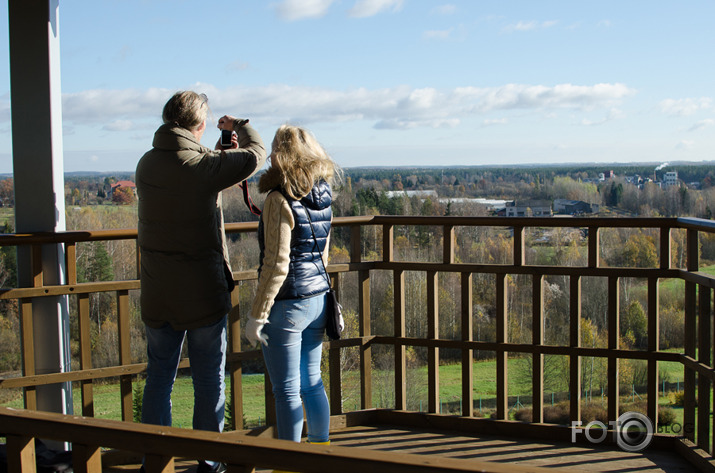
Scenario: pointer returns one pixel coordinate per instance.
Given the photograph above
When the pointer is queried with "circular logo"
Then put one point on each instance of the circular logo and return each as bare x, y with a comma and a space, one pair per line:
634, 431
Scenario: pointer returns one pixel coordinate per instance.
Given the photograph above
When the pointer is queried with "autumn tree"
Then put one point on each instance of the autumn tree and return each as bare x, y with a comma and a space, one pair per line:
634, 326
123, 195
7, 191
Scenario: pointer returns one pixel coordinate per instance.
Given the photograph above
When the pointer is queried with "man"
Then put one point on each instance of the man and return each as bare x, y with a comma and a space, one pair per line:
186, 279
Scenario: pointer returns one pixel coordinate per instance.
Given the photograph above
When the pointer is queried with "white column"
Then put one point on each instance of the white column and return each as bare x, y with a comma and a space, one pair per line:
38, 171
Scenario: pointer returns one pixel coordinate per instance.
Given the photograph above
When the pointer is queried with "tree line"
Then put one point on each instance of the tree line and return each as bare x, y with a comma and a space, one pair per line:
364, 192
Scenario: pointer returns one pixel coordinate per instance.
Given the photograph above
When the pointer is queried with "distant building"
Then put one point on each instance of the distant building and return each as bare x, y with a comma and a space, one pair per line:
574, 207
608, 175
421, 194
122, 184
532, 208
491, 204
670, 178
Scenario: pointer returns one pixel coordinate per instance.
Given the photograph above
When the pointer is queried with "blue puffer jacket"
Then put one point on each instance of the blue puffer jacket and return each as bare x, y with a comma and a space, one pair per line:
306, 274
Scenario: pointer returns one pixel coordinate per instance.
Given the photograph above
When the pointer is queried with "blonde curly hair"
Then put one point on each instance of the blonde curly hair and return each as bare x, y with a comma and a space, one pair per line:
301, 161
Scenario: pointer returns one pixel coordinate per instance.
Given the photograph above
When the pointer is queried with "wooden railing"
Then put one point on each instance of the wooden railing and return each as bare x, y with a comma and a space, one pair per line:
241, 453
696, 356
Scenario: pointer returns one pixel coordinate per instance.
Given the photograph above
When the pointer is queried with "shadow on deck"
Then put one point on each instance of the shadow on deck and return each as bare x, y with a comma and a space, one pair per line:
502, 451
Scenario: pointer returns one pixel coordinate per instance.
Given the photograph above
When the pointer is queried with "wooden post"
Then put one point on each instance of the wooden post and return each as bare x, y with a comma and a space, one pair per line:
537, 334
613, 337
594, 247
432, 334
448, 244
653, 347
334, 368
125, 355
665, 248
86, 459
399, 332
704, 352
519, 246
467, 354
575, 342
28, 350
690, 323
21, 454
85, 353
388, 247
501, 355
365, 348
235, 369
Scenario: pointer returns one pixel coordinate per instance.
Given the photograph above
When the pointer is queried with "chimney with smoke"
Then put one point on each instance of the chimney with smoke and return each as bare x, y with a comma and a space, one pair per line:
655, 178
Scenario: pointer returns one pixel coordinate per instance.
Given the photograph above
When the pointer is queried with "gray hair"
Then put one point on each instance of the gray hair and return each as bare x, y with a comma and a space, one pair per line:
186, 109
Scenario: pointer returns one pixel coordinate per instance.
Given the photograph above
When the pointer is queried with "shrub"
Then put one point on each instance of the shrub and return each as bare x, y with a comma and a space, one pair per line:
137, 399
556, 414
591, 411
666, 415
677, 398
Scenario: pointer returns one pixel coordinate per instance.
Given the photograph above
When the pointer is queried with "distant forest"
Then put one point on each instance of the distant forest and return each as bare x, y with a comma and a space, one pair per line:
634, 188
93, 203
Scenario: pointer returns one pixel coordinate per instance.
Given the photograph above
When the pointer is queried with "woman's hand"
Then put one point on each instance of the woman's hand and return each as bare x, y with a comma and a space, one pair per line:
254, 332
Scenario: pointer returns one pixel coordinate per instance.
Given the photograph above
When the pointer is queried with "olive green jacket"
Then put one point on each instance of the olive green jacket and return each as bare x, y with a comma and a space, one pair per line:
186, 277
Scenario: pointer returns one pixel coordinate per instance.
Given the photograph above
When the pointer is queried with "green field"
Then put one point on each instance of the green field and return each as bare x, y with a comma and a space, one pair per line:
107, 401
7, 214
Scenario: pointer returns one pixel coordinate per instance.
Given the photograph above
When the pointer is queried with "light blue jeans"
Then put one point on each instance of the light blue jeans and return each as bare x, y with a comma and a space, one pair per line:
207, 354
295, 331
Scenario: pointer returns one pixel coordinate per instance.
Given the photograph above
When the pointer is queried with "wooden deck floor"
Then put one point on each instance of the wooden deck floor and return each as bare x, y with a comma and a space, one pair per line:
565, 456
525, 452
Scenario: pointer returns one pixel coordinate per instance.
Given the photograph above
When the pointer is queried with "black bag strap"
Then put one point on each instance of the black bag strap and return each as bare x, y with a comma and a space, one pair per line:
247, 199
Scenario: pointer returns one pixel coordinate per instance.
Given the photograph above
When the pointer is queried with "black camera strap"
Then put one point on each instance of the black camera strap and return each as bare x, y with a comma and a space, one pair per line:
247, 199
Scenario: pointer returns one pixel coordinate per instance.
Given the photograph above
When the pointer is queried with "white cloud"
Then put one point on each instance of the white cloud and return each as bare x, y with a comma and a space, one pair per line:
406, 124
400, 107
366, 8
612, 114
447, 9
5, 110
437, 34
107, 106
292, 10
685, 145
495, 121
702, 124
236, 66
684, 107
119, 125
517, 96
530, 25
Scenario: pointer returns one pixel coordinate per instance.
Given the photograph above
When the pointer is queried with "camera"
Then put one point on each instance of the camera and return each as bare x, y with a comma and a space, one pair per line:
226, 138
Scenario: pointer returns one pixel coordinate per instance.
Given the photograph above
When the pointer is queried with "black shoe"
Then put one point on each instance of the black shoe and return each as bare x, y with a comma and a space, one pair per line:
205, 468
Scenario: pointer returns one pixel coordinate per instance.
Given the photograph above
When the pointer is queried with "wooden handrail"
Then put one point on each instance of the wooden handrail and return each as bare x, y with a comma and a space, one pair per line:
240, 452
696, 358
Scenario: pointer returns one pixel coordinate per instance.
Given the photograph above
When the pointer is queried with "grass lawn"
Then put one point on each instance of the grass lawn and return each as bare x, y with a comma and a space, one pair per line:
7, 214
107, 402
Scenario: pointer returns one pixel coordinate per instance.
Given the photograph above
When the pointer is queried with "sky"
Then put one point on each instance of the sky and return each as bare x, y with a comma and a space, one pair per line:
392, 82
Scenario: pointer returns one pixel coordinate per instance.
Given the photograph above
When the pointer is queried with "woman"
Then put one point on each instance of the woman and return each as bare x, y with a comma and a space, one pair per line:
288, 313
186, 281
